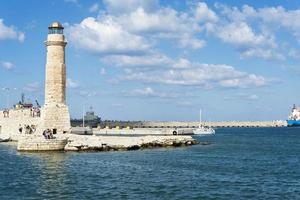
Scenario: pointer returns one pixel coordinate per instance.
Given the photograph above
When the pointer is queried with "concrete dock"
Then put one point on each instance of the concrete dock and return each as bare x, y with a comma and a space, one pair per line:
195, 124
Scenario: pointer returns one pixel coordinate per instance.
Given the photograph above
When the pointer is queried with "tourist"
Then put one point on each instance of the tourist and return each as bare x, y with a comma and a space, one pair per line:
50, 134
20, 129
44, 134
33, 128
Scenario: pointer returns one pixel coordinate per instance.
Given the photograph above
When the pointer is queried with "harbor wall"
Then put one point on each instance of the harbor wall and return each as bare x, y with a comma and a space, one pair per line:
195, 124
221, 124
107, 143
39, 143
12, 120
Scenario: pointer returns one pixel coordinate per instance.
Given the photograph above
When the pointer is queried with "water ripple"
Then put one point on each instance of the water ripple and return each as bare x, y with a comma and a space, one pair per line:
239, 164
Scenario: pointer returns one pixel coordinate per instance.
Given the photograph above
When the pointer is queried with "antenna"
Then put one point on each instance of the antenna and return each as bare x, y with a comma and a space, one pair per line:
22, 98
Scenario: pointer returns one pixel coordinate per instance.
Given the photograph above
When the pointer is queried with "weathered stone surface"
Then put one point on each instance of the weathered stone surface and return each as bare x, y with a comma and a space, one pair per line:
39, 143
56, 117
17, 119
108, 143
55, 114
4, 138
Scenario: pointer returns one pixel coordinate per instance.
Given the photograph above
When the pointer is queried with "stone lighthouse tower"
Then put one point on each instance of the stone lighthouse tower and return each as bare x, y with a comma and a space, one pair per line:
55, 114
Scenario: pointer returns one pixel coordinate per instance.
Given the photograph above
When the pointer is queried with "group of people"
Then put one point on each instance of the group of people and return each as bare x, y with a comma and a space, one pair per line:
28, 129
35, 112
48, 134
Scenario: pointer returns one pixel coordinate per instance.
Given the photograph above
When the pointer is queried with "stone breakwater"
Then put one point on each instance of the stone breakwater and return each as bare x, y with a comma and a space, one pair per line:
71, 142
39, 143
116, 143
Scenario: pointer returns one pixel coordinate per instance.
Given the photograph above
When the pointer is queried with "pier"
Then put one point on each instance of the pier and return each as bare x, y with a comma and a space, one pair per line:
195, 124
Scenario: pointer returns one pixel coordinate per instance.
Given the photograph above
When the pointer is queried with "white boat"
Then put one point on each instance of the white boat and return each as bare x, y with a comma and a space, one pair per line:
203, 130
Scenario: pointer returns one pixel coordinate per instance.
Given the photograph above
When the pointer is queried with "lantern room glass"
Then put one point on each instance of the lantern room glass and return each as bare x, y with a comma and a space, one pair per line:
55, 31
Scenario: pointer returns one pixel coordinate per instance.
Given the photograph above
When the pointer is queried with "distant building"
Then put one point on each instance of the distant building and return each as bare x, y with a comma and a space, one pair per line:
90, 120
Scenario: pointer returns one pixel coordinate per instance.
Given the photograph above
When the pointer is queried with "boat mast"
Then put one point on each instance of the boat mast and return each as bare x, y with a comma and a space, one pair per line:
200, 117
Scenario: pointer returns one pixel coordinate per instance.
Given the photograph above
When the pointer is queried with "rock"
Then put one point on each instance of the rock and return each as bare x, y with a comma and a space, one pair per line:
134, 147
4, 138
120, 143
69, 148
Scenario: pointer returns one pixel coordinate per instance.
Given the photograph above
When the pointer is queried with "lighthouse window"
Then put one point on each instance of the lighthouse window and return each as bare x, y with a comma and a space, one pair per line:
55, 31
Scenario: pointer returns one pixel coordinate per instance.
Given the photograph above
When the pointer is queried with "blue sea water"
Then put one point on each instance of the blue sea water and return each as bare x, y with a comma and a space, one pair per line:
262, 163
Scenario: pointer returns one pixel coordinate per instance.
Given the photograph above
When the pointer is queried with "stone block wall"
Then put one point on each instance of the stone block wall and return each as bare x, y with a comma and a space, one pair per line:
56, 117
10, 124
39, 143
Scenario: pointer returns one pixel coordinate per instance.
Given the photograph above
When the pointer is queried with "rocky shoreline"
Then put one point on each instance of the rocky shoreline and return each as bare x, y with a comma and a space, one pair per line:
72, 142
123, 143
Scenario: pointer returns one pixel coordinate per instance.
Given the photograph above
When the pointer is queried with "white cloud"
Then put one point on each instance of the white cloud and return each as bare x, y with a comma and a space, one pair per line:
282, 18
242, 35
186, 41
7, 65
149, 61
182, 63
204, 14
249, 43
165, 23
10, 32
136, 26
244, 81
150, 92
278, 16
94, 8
129, 32
72, 84
104, 35
21, 36
86, 93
293, 53
266, 54
163, 20
203, 75
158, 68
243, 96
121, 6
103, 71
268, 21
32, 87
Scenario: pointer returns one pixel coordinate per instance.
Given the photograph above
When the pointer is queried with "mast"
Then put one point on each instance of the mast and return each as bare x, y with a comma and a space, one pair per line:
200, 117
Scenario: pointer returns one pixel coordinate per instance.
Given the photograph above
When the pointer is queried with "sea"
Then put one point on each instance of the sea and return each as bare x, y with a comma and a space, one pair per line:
236, 163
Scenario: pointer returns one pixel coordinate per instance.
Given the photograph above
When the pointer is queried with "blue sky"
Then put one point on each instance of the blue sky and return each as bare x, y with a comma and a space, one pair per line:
158, 60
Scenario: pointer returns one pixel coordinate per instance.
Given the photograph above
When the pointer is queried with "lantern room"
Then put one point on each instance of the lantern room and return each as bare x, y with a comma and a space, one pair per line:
55, 28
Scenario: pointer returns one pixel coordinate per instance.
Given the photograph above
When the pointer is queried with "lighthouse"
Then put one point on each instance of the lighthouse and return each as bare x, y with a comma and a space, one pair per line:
55, 113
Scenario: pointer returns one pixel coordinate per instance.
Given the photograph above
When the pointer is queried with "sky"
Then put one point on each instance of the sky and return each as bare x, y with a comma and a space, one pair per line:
158, 59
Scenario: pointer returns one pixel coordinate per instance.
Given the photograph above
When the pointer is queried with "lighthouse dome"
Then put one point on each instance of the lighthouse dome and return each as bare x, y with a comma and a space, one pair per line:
55, 28
56, 25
